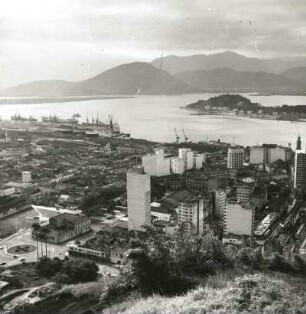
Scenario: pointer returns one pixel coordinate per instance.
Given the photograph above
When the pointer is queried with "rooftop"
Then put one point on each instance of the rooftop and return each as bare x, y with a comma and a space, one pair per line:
70, 217
182, 196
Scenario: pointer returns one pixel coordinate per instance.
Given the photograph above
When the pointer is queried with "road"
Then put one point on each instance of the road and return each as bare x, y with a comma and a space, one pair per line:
24, 237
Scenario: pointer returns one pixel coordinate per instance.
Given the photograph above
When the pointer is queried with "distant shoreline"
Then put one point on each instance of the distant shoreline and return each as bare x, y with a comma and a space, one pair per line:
46, 100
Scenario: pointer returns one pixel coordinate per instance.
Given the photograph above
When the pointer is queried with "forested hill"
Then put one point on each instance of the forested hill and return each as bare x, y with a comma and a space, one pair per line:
225, 100
235, 101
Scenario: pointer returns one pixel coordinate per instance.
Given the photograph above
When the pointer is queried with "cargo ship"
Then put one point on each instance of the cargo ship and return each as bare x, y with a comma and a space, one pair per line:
111, 127
18, 118
55, 119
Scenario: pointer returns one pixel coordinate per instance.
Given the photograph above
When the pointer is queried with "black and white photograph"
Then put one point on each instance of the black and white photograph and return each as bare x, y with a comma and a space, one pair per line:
153, 156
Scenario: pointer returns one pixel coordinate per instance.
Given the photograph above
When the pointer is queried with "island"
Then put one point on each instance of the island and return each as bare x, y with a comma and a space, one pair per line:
237, 105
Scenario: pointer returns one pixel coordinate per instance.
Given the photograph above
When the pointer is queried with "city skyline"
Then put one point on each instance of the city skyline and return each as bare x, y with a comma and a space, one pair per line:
73, 40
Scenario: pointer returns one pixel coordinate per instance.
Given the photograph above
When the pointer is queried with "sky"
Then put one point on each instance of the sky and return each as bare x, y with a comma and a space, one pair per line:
76, 39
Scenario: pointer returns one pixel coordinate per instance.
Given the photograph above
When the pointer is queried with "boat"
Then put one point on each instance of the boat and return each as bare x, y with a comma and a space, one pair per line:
76, 115
97, 126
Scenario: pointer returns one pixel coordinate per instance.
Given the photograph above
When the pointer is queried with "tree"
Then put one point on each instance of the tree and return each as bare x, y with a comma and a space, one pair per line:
79, 270
47, 267
36, 227
152, 268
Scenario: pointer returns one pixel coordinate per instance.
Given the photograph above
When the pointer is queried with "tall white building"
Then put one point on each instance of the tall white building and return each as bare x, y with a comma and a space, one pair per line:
279, 153
198, 161
238, 219
138, 200
177, 165
188, 156
26, 176
257, 155
269, 154
157, 164
235, 157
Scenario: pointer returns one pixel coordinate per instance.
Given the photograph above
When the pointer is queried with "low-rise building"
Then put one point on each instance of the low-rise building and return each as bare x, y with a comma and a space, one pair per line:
190, 211
160, 212
63, 228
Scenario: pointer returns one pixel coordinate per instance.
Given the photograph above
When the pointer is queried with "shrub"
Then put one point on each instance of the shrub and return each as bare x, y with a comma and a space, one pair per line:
78, 270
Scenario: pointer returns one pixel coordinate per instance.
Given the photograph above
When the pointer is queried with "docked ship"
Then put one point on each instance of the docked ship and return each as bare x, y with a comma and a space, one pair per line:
55, 119
18, 118
111, 127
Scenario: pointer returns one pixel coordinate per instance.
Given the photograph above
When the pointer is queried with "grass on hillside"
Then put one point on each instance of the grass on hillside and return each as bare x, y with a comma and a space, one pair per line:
256, 293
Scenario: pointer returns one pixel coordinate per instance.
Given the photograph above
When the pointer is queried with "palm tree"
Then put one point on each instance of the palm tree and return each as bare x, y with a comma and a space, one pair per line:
36, 227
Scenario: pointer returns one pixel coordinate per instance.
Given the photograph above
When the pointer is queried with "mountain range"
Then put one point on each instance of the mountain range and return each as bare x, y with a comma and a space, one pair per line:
227, 59
222, 72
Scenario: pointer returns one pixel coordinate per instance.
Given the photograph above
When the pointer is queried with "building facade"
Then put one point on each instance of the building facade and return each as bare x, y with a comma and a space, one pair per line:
269, 153
63, 228
220, 202
235, 157
238, 219
138, 200
177, 165
157, 164
245, 190
191, 213
198, 160
26, 176
188, 156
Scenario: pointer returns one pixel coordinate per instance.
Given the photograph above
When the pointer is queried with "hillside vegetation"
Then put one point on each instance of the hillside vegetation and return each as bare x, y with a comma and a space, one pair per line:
247, 294
226, 100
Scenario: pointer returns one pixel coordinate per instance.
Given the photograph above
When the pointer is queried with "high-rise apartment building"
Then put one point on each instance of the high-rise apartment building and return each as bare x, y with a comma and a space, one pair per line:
188, 156
235, 157
138, 200
177, 165
238, 219
157, 164
269, 153
191, 213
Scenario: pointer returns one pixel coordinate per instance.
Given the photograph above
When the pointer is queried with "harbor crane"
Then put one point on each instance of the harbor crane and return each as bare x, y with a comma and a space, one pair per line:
185, 137
177, 138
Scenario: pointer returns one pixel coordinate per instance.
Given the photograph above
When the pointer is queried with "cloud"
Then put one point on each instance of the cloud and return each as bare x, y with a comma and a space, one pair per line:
66, 33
